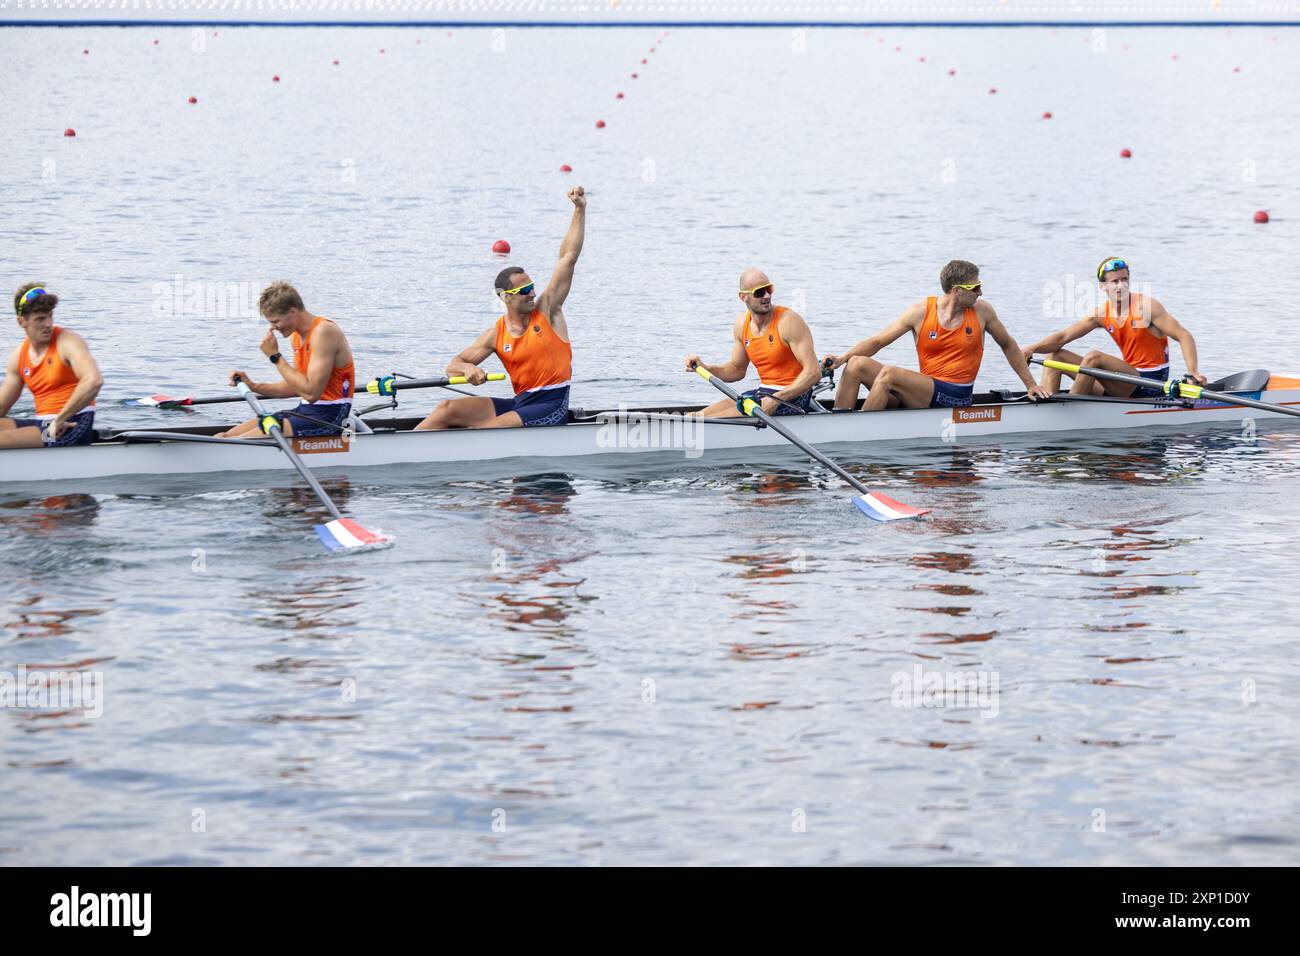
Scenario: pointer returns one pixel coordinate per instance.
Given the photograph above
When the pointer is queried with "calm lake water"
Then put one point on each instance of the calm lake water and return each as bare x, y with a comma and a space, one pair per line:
663, 661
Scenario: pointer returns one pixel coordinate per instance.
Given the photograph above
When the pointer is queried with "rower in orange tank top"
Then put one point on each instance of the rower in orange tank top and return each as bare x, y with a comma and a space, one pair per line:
1142, 335
56, 367
949, 332
322, 375
778, 343
532, 342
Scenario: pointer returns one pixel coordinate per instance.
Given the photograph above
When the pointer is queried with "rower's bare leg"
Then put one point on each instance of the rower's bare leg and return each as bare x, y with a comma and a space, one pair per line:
1087, 385
896, 386
250, 429
723, 408
858, 371
1052, 377
11, 436
508, 420
471, 412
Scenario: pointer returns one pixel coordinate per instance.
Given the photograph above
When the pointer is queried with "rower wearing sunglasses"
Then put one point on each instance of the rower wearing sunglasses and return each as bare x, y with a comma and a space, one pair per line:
1142, 334
780, 345
56, 366
949, 332
532, 342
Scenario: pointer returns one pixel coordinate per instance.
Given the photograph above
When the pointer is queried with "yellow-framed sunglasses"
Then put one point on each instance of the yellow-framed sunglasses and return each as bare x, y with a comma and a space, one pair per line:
524, 289
762, 291
968, 286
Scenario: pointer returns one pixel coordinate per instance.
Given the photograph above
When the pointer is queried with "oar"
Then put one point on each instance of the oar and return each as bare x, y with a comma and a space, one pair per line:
388, 384
1173, 388
164, 401
341, 534
871, 503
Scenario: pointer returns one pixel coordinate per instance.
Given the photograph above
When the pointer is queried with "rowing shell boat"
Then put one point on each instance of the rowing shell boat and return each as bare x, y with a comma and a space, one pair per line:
375, 443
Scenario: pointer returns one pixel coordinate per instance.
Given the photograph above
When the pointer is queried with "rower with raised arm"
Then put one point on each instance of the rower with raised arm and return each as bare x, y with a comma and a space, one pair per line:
532, 342
1140, 326
56, 366
779, 344
322, 374
949, 331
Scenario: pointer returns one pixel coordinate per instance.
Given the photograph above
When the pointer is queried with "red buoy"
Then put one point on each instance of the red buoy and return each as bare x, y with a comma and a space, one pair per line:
992, 90
336, 62
921, 59
1236, 69
85, 52
600, 124
1125, 153
501, 247
1261, 216
155, 42
634, 76
566, 168
618, 96
1047, 114
69, 132
381, 49
644, 61
193, 100
276, 78
952, 72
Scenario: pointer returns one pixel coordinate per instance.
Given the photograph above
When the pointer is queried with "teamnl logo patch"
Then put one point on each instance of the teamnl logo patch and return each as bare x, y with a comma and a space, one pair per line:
76, 908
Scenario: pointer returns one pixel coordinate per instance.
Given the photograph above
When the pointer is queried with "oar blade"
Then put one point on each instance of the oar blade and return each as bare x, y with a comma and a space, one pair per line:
149, 401
345, 536
880, 507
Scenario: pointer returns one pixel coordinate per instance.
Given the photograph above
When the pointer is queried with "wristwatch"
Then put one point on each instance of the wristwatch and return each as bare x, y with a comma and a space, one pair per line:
275, 359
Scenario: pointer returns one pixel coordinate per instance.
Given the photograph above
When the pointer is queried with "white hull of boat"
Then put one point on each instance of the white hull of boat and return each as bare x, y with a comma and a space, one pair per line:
664, 432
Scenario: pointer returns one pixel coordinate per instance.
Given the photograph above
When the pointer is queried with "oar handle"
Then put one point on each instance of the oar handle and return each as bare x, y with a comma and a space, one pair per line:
388, 385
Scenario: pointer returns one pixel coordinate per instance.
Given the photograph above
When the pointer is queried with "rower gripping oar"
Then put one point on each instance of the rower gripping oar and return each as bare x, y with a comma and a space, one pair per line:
387, 385
871, 503
166, 402
341, 534
1173, 388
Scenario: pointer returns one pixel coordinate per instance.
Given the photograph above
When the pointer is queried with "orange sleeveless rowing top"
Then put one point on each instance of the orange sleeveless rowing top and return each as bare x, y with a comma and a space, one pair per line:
52, 382
1141, 347
537, 359
342, 381
775, 361
950, 355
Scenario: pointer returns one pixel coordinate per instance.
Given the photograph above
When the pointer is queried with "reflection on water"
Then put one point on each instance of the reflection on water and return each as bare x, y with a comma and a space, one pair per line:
49, 515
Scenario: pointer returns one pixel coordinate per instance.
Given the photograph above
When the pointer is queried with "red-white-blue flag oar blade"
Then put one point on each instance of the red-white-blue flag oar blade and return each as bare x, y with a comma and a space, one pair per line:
344, 534
873, 504
880, 507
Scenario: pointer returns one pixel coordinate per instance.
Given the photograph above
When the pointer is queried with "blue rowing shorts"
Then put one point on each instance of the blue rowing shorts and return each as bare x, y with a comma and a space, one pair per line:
316, 421
80, 430
541, 406
948, 395
800, 402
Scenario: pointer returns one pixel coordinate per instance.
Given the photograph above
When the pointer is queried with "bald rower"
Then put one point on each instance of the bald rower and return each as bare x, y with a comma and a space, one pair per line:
779, 344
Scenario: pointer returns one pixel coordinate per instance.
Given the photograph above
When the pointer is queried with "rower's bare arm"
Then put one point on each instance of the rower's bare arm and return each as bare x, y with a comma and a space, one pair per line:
557, 290
1011, 349
1172, 328
467, 362
76, 355
797, 335
908, 321
735, 368
12, 386
1059, 340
